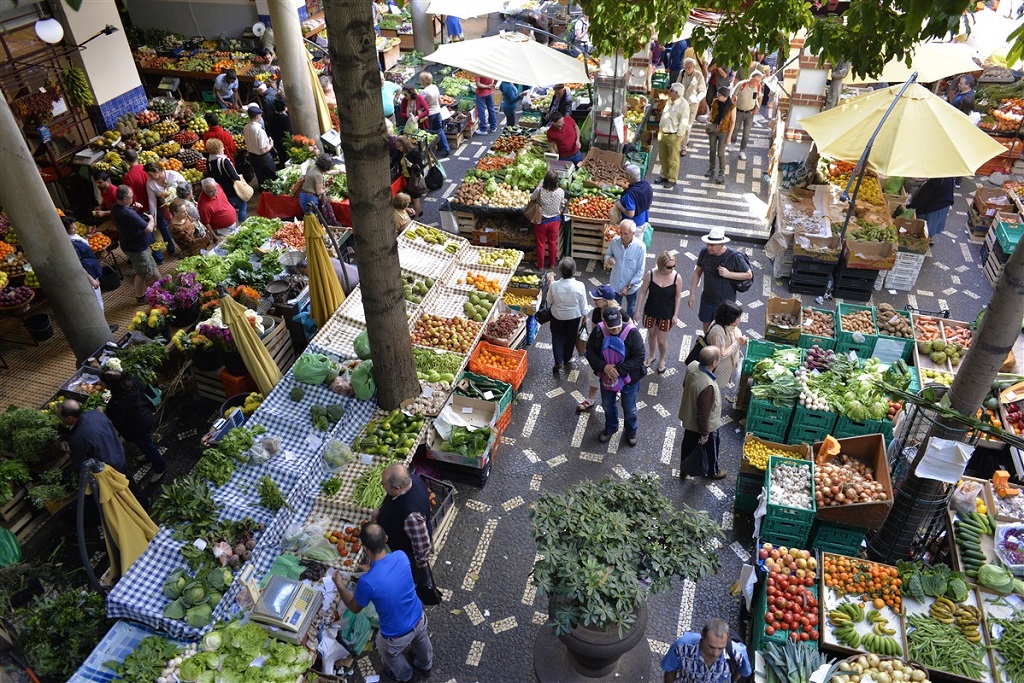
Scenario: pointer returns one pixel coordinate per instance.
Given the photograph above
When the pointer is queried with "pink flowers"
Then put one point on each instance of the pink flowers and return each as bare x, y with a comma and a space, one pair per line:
178, 291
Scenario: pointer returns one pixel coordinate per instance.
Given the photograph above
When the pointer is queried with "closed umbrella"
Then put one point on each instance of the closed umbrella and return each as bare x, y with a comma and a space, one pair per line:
465, 9
923, 137
325, 293
512, 57
323, 113
128, 525
932, 61
255, 355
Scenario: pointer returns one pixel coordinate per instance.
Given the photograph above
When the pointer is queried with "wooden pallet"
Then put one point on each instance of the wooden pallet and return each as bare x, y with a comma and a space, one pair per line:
278, 343
993, 270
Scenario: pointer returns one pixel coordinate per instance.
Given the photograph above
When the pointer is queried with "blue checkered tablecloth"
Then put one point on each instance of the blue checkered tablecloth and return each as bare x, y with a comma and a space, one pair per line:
119, 642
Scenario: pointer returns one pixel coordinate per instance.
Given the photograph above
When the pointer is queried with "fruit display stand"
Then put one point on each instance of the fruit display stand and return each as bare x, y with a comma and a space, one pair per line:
836, 591
970, 610
962, 545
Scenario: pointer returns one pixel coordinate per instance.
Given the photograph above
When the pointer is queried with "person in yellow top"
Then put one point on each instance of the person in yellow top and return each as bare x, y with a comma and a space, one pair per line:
675, 121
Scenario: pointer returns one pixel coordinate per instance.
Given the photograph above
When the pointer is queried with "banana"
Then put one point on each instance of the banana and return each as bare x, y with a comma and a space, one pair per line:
883, 630
945, 602
76, 87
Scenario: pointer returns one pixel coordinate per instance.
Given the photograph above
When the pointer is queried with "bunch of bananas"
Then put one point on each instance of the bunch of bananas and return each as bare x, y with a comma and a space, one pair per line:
879, 639
427, 234
76, 87
966, 618
113, 158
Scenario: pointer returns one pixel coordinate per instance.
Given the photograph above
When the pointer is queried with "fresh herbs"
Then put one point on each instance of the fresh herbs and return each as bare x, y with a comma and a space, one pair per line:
146, 662
187, 505
28, 433
53, 485
12, 473
468, 443
270, 495
142, 361
330, 487
219, 463
369, 491
58, 631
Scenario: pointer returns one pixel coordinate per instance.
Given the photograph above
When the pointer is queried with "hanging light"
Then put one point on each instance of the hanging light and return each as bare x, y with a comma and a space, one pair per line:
49, 31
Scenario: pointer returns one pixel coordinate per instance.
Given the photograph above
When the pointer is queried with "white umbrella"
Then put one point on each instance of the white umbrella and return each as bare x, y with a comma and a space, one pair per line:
465, 9
512, 57
933, 61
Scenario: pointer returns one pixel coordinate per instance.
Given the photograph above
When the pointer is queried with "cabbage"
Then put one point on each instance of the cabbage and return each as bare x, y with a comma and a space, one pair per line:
191, 669
195, 594
956, 589
212, 641
249, 639
175, 610
219, 578
174, 584
228, 676
199, 616
208, 677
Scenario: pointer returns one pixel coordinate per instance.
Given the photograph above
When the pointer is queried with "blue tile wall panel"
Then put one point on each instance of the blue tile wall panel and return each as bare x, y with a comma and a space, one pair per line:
131, 102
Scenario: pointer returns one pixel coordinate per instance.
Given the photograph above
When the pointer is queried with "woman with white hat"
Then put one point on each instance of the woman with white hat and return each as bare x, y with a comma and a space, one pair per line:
720, 267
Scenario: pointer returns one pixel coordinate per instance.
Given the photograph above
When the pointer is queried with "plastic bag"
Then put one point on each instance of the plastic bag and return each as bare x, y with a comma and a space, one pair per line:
313, 368
965, 497
362, 345
264, 450
300, 538
10, 551
338, 454
363, 382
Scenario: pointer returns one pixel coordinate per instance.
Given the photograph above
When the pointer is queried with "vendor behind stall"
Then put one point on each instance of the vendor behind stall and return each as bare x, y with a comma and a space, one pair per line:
225, 89
107, 194
564, 138
561, 103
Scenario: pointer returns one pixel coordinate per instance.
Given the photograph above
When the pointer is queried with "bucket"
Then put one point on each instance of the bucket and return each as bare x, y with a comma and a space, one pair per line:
109, 280
235, 401
268, 326
39, 326
233, 363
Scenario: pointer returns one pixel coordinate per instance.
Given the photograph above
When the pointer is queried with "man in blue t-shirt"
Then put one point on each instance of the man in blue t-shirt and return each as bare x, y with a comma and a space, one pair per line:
635, 202
708, 657
389, 586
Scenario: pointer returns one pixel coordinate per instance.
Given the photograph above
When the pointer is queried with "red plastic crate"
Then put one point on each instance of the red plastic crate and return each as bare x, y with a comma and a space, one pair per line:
237, 384
513, 377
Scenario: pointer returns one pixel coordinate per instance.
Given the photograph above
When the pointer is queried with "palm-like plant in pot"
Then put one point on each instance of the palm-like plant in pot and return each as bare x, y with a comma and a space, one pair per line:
606, 547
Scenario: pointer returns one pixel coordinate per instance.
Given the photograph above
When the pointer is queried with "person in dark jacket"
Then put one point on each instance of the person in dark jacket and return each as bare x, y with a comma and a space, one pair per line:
275, 115
628, 372
92, 435
561, 102
673, 59
636, 201
87, 257
405, 514
931, 202
510, 96
132, 413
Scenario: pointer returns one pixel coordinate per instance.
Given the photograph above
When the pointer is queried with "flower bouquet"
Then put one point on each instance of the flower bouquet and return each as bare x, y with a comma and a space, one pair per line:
209, 301
301, 149
175, 292
152, 323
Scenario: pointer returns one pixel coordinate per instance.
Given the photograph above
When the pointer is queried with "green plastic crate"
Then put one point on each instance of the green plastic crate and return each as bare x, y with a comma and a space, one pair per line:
799, 434
844, 339
767, 429
1008, 235
811, 426
840, 539
759, 637
748, 488
785, 532
845, 427
886, 348
862, 350
758, 349
809, 340
777, 512
659, 80
768, 417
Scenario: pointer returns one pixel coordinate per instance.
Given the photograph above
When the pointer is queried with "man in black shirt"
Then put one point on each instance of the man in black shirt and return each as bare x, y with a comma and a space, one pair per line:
719, 266
136, 234
405, 514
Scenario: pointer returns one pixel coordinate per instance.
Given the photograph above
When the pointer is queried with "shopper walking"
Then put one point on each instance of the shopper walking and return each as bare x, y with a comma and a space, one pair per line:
710, 656
719, 266
388, 94
135, 233
567, 298
659, 299
551, 198
725, 333
720, 121
672, 127
411, 164
134, 417
615, 352
694, 91
389, 586
564, 138
275, 115
222, 170
604, 297
214, 131
700, 411
405, 514
313, 187
485, 105
259, 147
932, 201
746, 99
626, 256
432, 95
635, 202
160, 182
673, 59
511, 94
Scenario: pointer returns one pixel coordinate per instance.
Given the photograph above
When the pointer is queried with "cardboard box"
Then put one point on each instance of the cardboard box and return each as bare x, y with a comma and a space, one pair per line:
869, 449
813, 246
784, 334
870, 255
603, 155
913, 235
987, 201
800, 451
476, 412
526, 309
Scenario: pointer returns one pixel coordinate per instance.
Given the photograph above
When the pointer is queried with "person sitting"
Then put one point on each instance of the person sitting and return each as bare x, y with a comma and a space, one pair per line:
403, 213
189, 234
215, 211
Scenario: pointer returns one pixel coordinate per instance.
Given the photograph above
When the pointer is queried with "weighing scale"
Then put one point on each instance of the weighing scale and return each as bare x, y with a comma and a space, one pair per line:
286, 606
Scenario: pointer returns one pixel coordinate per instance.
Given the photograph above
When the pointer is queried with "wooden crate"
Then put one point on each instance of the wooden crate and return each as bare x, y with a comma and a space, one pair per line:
993, 269
389, 58
587, 239
278, 343
466, 222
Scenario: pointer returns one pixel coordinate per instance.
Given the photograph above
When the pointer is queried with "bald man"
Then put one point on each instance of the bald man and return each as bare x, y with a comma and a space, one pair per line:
405, 514
92, 435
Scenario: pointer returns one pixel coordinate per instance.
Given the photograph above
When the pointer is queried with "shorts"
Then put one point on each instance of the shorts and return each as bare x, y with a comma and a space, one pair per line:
143, 264
707, 312
650, 323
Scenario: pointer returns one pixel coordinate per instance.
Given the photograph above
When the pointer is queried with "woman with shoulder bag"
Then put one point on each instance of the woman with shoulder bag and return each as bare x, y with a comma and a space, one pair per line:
220, 168
725, 334
567, 298
720, 120
134, 417
411, 164
548, 197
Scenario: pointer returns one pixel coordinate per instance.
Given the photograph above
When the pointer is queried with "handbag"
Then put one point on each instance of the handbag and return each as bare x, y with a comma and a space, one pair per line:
426, 589
533, 212
543, 315
699, 342
711, 128
435, 176
416, 184
243, 189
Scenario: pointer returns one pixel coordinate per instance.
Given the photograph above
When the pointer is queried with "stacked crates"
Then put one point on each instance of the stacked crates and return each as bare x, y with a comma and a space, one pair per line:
810, 426
748, 488
845, 341
767, 420
784, 525
838, 539
845, 427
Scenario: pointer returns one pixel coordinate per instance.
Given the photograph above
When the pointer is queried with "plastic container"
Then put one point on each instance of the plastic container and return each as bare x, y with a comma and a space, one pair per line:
514, 377
780, 512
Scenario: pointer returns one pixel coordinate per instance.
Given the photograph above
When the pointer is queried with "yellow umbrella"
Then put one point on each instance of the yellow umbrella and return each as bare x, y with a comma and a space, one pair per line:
254, 354
923, 137
933, 61
130, 528
323, 114
325, 293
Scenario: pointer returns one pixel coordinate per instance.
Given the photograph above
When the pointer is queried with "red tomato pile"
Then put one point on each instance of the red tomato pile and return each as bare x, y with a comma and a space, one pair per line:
591, 206
791, 606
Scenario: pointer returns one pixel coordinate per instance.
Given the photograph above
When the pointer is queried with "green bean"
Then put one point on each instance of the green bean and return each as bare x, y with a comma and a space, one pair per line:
1010, 645
942, 646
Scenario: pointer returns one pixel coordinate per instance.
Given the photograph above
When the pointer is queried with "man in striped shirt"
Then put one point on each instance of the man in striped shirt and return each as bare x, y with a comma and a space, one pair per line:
710, 657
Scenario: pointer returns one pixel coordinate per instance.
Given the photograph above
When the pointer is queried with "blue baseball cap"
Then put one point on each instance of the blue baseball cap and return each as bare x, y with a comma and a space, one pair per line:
604, 292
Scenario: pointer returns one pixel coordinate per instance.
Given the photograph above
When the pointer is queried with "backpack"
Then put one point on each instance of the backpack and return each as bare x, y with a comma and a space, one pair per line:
742, 265
613, 351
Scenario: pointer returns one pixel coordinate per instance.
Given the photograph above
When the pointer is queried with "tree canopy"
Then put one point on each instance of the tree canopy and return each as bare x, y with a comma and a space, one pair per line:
869, 33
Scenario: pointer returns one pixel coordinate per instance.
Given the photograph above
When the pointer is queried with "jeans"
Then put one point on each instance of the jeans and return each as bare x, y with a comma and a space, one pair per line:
546, 235
563, 339
152, 453
611, 410
437, 126
485, 105
510, 114
241, 208
717, 142
165, 232
630, 306
263, 167
744, 122
392, 651
576, 158
307, 198
690, 441
936, 220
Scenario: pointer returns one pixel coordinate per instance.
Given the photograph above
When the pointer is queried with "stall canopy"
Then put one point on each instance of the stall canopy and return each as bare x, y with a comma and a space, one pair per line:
512, 57
325, 293
465, 9
257, 359
924, 137
933, 61
130, 527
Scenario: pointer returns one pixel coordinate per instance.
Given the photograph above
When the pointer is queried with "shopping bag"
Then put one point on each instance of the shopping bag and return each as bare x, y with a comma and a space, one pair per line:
696, 463
698, 343
354, 631
242, 189
532, 211
425, 587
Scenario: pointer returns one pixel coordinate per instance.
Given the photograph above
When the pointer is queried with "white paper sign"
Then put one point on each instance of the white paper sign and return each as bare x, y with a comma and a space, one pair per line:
944, 460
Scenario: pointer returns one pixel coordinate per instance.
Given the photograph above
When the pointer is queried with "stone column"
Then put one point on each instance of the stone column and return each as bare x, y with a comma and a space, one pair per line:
46, 243
422, 26
294, 71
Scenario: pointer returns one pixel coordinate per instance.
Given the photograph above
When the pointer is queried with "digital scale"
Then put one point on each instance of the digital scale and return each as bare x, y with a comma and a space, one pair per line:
286, 608
169, 83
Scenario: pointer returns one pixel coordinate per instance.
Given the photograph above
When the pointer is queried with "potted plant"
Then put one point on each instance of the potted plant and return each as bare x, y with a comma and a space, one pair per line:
142, 361
217, 330
606, 547
28, 434
199, 347
151, 322
179, 294
52, 492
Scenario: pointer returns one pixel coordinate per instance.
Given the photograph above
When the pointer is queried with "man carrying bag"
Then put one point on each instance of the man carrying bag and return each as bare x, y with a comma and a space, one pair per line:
700, 411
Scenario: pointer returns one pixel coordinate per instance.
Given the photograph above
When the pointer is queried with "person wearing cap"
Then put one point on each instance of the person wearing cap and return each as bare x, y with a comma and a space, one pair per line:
694, 90
675, 120
719, 266
961, 96
721, 116
700, 411
636, 201
561, 102
275, 114
604, 297
225, 90
746, 99
564, 138
258, 145
619, 364
626, 256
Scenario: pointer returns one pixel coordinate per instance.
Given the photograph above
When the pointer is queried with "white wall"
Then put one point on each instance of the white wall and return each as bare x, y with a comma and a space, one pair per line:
107, 60
209, 18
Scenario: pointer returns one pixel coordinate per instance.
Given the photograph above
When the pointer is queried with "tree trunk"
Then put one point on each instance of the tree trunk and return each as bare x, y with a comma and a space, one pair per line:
292, 53
46, 243
351, 42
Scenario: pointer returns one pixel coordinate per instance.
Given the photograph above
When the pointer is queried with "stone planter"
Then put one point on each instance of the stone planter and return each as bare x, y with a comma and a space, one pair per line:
587, 654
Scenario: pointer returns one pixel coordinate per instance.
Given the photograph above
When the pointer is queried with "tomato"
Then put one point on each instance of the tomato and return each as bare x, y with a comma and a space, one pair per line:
804, 637
794, 637
771, 590
814, 635
769, 631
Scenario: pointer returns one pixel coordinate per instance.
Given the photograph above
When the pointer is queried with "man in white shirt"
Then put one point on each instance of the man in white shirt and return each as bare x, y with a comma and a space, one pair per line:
695, 88
259, 146
225, 89
747, 99
432, 95
675, 121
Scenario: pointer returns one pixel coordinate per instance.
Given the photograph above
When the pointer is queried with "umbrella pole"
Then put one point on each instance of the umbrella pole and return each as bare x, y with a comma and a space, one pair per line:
862, 163
86, 477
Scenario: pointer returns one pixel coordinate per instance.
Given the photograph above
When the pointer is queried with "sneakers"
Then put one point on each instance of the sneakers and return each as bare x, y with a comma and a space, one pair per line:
481, 131
154, 477
631, 439
743, 155
494, 130
603, 437
113, 328
710, 172
720, 180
